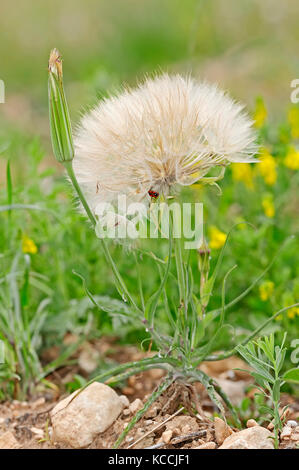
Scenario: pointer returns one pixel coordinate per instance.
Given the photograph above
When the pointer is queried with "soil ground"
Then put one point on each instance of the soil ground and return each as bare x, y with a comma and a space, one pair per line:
29, 421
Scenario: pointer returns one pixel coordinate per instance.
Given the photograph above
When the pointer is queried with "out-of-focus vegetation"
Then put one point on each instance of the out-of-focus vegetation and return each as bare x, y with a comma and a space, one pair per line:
248, 47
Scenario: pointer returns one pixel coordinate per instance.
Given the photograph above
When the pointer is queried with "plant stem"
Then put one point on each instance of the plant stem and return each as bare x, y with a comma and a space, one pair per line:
219, 357
121, 286
70, 171
164, 386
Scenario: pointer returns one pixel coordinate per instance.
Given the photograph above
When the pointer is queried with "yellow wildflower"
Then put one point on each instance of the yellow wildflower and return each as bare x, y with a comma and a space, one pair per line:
266, 290
217, 238
243, 172
267, 167
293, 118
292, 159
28, 245
268, 206
260, 113
292, 312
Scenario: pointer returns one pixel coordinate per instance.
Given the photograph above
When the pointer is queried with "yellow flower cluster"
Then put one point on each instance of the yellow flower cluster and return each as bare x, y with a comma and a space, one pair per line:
268, 205
28, 246
267, 167
217, 238
260, 113
293, 312
266, 290
292, 159
293, 118
243, 172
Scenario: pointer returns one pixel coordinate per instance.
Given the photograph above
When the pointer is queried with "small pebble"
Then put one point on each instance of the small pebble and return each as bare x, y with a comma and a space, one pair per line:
292, 423
207, 445
152, 412
125, 401
286, 432
39, 433
251, 423
199, 442
147, 422
128, 390
135, 405
166, 436
295, 436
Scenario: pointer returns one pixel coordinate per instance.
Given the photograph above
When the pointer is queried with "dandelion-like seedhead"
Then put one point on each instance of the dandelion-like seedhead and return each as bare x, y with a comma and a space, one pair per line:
169, 131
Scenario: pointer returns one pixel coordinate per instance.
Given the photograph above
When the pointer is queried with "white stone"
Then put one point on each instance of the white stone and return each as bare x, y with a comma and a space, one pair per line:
88, 359
39, 433
125, 401
207, 445
77, 422
286, 432
222, 430
136, 405
292, 423
256, 437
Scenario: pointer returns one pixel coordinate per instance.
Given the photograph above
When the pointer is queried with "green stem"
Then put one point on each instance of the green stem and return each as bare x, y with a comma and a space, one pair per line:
164, 386
212, 387
125, 375
129, 365
219, 357
121, 286
70, 171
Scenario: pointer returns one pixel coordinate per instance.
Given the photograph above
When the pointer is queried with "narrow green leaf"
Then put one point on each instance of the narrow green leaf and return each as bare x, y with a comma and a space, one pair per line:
292, 375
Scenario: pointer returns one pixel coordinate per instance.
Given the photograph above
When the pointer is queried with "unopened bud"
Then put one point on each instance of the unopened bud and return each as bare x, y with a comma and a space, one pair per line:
60, 123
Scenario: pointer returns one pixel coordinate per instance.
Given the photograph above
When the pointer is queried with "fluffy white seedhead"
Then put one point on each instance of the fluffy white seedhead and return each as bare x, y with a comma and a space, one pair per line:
167, 132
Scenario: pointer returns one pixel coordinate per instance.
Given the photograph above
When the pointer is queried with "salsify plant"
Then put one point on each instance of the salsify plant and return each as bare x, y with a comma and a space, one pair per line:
145, 144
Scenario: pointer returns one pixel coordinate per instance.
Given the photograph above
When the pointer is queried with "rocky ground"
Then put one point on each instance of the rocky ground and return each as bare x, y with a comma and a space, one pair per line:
98, 415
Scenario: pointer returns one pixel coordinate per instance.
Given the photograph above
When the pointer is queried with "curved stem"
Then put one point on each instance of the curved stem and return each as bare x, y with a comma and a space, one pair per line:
164, 386
121, 286
125, 375
219, 357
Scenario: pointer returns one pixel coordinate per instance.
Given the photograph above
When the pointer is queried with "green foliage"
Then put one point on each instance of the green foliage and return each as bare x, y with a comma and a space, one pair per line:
267, 361
36, 202
184, 349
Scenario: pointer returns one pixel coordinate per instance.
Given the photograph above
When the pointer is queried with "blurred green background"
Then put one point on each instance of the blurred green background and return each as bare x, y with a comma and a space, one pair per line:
249, 47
